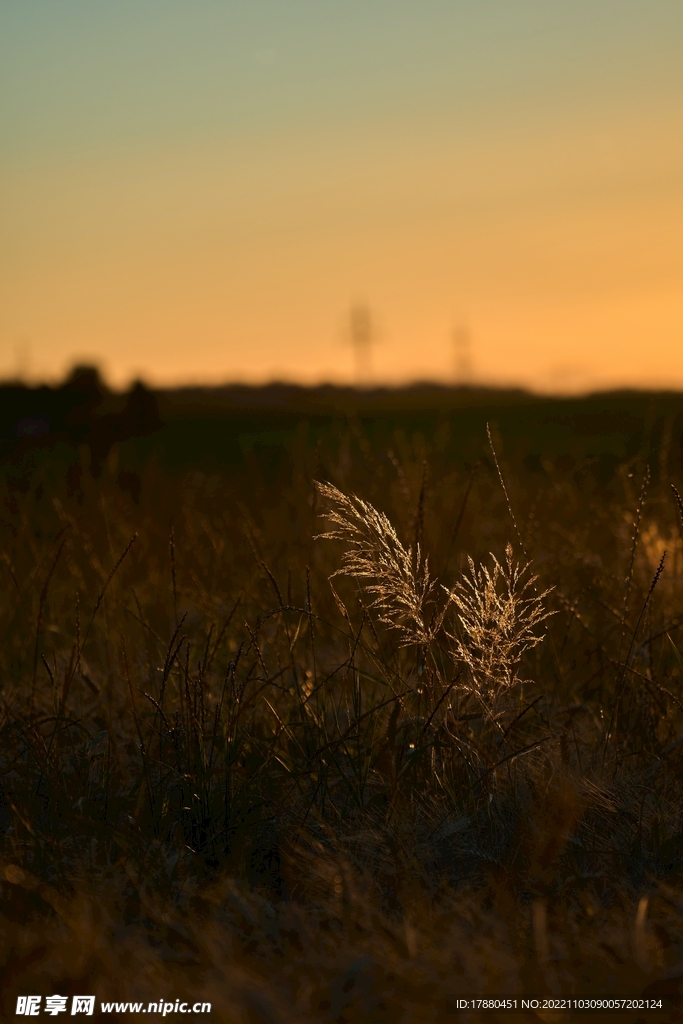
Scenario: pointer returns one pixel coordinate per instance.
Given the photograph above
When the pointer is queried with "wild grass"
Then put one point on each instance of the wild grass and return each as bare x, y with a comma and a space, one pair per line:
253, 747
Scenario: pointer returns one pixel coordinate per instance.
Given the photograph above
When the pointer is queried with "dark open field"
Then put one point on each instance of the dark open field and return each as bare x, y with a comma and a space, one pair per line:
226, 777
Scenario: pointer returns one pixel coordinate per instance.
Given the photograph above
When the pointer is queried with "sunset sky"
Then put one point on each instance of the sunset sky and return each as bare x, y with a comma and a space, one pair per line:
201, 191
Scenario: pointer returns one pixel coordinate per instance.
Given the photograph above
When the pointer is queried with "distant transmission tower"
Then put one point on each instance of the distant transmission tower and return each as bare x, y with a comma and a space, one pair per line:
22, 359
362, 337
462, 350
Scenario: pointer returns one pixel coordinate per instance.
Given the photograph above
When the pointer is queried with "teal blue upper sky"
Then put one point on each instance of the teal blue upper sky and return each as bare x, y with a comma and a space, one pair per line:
83, 74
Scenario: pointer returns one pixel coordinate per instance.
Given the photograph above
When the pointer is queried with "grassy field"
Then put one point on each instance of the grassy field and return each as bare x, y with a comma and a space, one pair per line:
346, 778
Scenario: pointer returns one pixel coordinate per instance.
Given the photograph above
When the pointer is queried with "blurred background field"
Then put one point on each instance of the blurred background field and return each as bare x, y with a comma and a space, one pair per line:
217, 426
225, 774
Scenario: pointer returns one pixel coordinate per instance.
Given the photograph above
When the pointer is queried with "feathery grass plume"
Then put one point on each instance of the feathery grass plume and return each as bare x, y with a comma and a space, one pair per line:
499, 611
398, 582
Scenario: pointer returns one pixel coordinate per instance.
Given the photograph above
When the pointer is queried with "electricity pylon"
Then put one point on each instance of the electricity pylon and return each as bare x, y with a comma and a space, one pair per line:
462, 348
362, 337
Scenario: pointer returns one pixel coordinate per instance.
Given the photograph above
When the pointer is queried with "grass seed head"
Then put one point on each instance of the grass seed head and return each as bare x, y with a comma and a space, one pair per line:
499, 611
398, 581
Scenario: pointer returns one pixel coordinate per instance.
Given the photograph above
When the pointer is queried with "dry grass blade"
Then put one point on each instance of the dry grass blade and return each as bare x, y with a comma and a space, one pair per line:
634, 545
501, 478
679, 508
621, 686
41, 606
105, 585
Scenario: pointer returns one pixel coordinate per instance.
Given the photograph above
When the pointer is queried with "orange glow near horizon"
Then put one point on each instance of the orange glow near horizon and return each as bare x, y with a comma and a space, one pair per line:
548, 227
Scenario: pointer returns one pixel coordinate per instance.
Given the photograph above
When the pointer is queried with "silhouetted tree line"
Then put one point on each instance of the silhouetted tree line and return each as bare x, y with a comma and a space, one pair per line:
82, 410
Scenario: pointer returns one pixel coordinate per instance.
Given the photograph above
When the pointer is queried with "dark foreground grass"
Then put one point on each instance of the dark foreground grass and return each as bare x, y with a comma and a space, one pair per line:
228, 778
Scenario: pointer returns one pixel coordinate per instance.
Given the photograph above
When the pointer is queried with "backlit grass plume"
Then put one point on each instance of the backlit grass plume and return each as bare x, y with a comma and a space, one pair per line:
397, 578
499, 612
